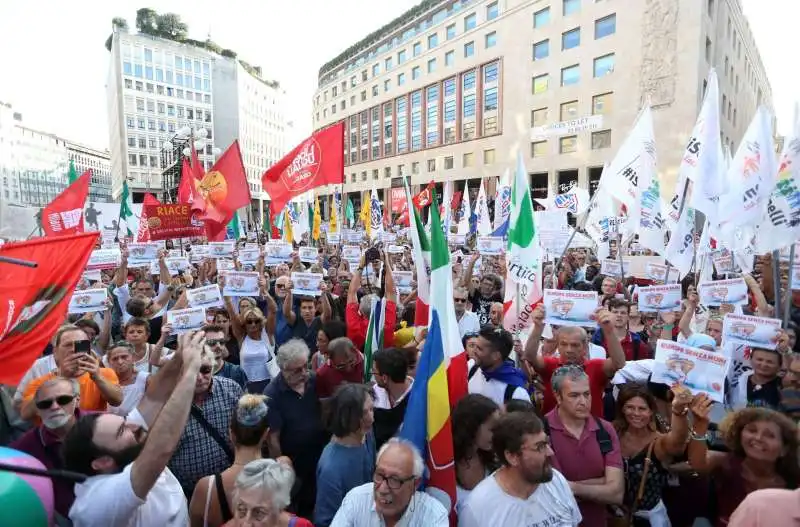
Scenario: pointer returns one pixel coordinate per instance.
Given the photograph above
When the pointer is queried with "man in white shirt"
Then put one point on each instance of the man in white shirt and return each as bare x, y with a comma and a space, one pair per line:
492, 373
392, 498
468, 322
526, 490
129, 484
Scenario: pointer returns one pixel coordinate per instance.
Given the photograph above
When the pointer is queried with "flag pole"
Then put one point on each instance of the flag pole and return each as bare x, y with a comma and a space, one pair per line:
776, 282
680, 213
575, 230
621, 265
787, 308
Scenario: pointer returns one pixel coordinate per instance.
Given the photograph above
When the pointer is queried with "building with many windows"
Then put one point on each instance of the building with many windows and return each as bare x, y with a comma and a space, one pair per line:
41, 163
99, 162
9, 119
453, 89
155, 88
252, 109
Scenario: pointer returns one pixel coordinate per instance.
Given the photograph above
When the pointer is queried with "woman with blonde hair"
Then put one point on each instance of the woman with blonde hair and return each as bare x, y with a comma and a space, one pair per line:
763, 454
210, 505
256, 338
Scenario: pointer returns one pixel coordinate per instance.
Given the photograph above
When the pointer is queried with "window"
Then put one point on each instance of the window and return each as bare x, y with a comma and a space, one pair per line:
448, 163
449, 58
387, 172
540, 83
604, 65
431, 65
490, 99
541, 18
569, 110
469, 105
538, 117
433, 40
127, 68
387, 64
132, 159
491, 39
151, 106
401, 57
568, 145
570, 7
415, 73
450, 31
129, 84
710, 7
601, 104
387, 84
468, 159
539, 149
415, 167
132, 142
364, 95
140, 124
401, 79
601, 139
541, 50
570, 75
605, 26
376, 69
375, 91
491, 11
488, 156
469, 49
417, 48
140, 105
137, 70
431, 165
470, 21
571, 39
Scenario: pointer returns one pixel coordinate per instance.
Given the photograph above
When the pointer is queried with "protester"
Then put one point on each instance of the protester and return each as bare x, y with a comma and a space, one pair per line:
492, 373
215, 344
392, 387
345, 364
473, 419
133, 382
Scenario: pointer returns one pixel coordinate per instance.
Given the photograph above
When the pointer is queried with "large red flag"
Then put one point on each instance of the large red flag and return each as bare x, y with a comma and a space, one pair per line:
144, 232
64, 215
317, 161
224, 189
34, 301
186, 184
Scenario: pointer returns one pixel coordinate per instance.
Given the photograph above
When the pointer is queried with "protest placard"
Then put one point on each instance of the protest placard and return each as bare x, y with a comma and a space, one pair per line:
570, 308
694, 369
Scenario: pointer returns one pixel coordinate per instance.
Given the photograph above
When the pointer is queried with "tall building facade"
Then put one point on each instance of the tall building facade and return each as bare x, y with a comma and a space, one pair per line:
452, 90
155, 88
252, 109
99, 162
8, 134
42, 164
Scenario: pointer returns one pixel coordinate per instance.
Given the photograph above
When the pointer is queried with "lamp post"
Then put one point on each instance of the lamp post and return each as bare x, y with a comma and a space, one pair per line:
172, 153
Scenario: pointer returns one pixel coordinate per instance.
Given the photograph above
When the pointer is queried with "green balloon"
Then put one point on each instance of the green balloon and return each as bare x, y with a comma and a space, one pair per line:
20, 504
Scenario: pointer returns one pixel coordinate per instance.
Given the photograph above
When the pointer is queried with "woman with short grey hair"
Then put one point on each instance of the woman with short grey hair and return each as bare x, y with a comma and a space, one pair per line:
261, 494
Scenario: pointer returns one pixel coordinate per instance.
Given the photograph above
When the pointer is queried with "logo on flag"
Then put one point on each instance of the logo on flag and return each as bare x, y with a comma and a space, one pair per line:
60, 221
568, 201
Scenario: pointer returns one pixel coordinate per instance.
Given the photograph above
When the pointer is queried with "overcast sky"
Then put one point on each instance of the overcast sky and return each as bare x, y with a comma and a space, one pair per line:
53, 63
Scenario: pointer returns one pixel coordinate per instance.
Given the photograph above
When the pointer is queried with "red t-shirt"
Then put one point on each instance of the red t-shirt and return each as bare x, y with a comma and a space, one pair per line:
357, 325
645, 351
329, 378
597, 383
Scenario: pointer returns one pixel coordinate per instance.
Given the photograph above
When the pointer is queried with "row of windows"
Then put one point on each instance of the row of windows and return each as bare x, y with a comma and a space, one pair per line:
569, 144
542, 17
169, 91
490, 40
140, 53
469, 22
171, 110
572, 39
140, 123
167, 76
571, 75
427, 118
601, 105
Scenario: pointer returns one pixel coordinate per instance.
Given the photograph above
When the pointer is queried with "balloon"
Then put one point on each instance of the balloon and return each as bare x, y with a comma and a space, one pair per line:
26, 500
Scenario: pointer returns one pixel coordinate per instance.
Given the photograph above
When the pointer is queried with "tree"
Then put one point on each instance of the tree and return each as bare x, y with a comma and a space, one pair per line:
213, 46
228, 53
170, 26
119, 23
146, 21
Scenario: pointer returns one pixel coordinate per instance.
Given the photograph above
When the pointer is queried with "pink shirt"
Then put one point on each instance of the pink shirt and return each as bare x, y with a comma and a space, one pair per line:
768, 507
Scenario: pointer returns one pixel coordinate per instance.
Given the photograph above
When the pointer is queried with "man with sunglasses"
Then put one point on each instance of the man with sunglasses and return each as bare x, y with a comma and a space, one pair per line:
216, 345
468, 322
56, 402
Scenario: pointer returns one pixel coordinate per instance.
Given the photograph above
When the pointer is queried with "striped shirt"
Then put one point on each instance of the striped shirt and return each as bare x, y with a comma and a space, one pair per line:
358, 510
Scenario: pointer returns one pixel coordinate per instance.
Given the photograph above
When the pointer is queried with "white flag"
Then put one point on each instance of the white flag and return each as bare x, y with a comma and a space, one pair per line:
447, 204
375, 215
575, 200
502, 200
465, 211
701, 161
482, 212
600, 220
751, 176
680, 249
648, 223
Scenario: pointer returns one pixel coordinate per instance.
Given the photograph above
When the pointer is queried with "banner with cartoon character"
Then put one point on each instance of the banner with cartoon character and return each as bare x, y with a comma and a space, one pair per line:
756, 332
659, 298
688, 368
570, 308
718, 292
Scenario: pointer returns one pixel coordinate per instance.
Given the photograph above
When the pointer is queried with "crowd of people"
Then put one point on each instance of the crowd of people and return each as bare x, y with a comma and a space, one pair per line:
271, 415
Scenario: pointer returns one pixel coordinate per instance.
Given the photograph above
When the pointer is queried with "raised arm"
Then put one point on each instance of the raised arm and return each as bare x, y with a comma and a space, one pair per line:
531, 352
700, 458
685, 323
616, 355
673, 444
389, 289
466, 281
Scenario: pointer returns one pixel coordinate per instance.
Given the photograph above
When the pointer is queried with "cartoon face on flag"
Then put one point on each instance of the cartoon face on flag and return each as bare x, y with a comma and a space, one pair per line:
376, 217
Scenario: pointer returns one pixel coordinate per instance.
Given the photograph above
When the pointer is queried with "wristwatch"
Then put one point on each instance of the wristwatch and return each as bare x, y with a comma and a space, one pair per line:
695, 437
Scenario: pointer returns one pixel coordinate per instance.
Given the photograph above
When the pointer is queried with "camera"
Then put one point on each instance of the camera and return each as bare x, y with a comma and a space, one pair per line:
373, 254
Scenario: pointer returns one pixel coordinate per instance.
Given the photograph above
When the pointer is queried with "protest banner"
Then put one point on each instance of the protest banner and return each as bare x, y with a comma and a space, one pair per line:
166, 222
570, 308
659, 298
757, 332
694, 369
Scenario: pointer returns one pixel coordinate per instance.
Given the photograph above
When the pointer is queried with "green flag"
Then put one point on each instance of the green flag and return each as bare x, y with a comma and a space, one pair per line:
126, 207
72, 176
350, 213
234, 226
374, 338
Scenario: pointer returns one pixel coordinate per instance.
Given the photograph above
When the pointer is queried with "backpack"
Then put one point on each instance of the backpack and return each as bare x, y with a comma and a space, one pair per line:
510, 389
601, 435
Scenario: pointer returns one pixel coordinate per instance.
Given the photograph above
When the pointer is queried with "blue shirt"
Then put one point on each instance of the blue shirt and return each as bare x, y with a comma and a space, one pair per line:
340, 469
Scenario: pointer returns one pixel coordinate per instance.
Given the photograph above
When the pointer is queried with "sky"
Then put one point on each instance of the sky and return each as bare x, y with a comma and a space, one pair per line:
53, 64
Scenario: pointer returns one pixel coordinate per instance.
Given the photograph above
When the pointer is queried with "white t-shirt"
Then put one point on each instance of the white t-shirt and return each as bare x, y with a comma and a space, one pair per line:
109, 500
493, 389
551, 505
468, 323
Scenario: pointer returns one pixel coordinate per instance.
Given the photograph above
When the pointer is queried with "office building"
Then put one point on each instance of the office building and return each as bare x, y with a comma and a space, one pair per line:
8, 174
452, 90
252, 109
99, 162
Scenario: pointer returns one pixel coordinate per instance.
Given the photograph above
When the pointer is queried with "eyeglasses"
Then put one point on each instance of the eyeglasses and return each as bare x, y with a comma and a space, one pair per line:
205, 370
61, 400
253, 321
460, 300
393, 482
215, 342
280, 286
538, 447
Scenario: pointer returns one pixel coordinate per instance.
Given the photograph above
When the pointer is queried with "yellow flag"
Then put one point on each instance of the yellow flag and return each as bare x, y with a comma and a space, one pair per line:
288, 235
333, 220
366, 214
317, 220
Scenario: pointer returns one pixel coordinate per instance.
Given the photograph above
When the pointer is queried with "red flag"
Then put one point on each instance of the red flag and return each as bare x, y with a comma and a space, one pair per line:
34, 300
144, 233
224, 188
64, 215
215, 232
424, 198
186, 184
317, 161
456, 201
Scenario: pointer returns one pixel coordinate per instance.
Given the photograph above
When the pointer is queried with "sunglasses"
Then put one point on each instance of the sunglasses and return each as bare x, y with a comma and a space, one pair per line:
253, 321
215, 342
61, 400
205, 370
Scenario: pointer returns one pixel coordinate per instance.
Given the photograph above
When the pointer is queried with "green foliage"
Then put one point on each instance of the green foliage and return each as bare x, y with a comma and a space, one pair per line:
170, 26
228, 53
146, 21
120, 23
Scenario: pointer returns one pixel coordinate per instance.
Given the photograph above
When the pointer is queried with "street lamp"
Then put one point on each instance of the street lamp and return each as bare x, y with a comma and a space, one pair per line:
174, 149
